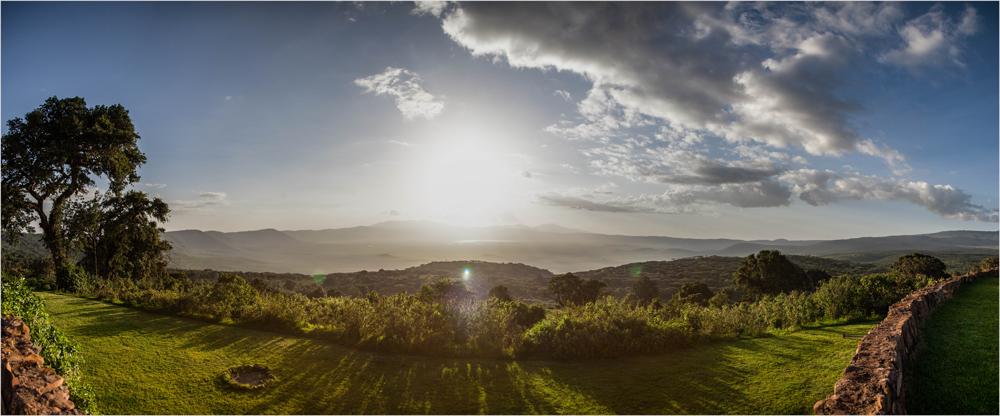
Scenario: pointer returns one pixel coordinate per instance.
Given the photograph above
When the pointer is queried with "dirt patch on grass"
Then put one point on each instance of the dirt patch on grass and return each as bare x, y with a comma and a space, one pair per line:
250, 376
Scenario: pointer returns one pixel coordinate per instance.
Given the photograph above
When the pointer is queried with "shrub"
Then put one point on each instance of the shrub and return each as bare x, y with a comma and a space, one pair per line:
231, 297
70, 278
605, 328
986, 264
915, 264
500, 293
444, 291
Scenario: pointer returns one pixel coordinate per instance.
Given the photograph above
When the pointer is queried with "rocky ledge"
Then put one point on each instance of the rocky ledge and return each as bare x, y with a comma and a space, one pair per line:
29, 388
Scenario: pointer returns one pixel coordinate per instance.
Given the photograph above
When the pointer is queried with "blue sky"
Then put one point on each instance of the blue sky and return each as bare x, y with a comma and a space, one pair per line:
738, 120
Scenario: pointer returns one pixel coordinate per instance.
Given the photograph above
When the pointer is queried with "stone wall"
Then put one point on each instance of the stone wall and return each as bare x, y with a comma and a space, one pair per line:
873, 383
29, 388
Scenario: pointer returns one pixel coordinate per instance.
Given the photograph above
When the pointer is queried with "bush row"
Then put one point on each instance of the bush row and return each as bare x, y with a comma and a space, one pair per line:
444, 320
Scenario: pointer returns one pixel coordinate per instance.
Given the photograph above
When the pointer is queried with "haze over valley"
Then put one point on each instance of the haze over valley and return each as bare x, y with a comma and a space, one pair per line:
402, 244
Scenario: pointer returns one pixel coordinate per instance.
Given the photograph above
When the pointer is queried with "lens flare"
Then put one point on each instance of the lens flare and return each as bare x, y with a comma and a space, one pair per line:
466, 274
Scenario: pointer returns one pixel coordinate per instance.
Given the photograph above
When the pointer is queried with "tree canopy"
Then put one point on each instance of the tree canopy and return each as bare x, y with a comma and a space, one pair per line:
568, 289
914, 264
500, 293
986, 264
118, 235
693, 292
53, 154
643, 291
769, 273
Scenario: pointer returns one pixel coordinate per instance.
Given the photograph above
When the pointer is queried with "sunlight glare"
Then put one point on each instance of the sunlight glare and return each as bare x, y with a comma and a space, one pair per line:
464, 181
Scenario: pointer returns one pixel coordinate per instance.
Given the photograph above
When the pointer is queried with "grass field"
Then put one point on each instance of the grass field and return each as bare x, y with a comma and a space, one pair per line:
955, 369
142, 363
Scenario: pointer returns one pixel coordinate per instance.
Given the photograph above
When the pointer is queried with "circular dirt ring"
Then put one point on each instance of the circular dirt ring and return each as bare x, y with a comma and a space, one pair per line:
249, 376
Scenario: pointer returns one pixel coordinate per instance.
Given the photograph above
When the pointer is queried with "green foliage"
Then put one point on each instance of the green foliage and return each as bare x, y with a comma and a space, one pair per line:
177, 281
987, 264
605, 328
231, 297
919, 264
53, 154
567, 289
643, 291
445, 319
318, 292
59, 352
694, 292
500, 293
769, 273
38, 272
71, 278
958, 259
721, 298
445, 291
118, 236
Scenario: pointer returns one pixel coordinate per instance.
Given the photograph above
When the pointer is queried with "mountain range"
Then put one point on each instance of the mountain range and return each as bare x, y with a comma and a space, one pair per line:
401, 244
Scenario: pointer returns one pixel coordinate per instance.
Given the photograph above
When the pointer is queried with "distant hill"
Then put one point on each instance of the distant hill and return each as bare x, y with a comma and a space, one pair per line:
522, 281
402, 244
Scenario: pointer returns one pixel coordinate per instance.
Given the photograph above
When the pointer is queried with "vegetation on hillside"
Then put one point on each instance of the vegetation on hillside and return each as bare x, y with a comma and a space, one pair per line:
958, 261
445, 318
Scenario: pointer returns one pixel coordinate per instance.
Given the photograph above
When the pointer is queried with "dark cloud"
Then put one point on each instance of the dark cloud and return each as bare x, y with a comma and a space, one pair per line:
574, 202
717, 174
772, 74
767, 193
743, 71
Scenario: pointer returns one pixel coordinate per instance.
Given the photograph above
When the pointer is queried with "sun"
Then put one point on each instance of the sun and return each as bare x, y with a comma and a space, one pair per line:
465, 181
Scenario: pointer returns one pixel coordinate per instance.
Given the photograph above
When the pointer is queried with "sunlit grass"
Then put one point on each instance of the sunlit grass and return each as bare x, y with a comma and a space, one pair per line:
955, 369
142, 363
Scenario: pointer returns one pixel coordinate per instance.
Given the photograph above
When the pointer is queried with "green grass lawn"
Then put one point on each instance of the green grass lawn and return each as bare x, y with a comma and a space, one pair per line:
955, 370
142, 363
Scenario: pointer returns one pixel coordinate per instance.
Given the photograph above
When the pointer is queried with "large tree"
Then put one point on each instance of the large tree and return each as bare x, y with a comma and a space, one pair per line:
54, 154
693, 292
568, 289
643, 292
914, 264
769, 273
118, 235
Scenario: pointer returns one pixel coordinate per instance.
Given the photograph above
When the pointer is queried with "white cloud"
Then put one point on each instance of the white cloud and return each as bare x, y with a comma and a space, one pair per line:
933, 39
205, 200
404, 144
812, 186
434, 8
155, 185
411, 99
944, 200
757, 76
565, 95
696, 66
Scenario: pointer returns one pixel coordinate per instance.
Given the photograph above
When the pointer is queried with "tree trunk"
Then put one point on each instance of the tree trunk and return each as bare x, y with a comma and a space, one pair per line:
55, 245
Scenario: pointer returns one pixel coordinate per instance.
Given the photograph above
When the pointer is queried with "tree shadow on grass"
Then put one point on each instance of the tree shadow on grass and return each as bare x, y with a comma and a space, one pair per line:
315, 377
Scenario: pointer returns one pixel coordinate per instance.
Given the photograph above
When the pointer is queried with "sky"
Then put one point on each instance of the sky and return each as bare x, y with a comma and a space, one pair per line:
702, 120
